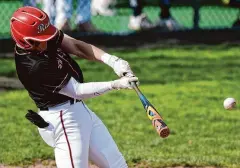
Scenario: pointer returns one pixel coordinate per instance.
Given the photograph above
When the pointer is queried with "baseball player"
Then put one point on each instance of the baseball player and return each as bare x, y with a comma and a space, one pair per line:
140, 21
55, 83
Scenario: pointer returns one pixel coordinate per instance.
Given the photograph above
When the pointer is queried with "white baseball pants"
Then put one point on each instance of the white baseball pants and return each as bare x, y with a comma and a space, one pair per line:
77, 136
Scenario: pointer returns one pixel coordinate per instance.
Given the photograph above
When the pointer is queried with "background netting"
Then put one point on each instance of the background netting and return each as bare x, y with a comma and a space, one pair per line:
212, 14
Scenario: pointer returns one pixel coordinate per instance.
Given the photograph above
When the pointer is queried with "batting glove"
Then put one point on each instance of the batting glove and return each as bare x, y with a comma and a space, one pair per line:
120, 66
124, 83
36, 119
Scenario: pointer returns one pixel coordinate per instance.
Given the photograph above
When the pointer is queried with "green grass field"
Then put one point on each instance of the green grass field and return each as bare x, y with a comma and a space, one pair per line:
187, 84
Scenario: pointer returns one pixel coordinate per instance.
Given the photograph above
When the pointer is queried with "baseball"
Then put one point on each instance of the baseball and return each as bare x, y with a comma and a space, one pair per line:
229, 103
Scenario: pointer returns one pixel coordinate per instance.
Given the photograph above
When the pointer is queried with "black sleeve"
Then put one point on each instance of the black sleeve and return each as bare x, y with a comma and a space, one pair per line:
51, 78
60, 38
56, 41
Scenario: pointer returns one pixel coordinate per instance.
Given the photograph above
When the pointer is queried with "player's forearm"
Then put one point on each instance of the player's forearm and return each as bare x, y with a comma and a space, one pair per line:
81, 49
81, 91
90, 52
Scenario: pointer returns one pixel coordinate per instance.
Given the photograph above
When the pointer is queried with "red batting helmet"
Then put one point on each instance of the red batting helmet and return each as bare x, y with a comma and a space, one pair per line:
30, 23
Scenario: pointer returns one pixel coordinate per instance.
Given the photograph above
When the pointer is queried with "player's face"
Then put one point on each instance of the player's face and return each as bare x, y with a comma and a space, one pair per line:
39, 46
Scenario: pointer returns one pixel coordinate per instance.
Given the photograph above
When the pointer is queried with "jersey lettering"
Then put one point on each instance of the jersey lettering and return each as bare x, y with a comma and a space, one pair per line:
60, 63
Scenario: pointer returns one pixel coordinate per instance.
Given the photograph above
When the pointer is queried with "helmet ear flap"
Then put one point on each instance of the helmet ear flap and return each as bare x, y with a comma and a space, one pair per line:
25, 44
22, 42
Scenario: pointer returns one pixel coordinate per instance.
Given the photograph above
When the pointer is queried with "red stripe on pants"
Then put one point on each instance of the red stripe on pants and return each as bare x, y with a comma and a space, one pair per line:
69, 147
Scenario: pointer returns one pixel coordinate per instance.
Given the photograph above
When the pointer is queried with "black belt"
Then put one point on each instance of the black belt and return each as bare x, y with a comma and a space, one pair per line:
71, 102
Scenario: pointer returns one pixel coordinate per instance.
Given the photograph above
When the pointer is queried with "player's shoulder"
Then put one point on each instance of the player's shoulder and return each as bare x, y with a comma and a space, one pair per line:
57, 40
31, 62
20, 52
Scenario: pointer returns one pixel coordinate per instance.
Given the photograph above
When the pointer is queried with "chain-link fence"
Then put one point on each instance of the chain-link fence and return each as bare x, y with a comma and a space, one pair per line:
190, 14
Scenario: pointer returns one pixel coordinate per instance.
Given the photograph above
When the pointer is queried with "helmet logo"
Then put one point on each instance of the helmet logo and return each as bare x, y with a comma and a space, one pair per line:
43, 27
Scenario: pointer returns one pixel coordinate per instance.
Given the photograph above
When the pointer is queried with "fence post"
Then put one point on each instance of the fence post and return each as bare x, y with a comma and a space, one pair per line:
196, 17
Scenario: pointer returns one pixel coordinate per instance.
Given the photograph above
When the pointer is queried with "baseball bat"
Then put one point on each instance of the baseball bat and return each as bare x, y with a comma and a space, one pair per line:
157, 121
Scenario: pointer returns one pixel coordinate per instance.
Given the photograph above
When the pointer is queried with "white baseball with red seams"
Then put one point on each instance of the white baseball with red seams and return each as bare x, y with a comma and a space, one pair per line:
229, 103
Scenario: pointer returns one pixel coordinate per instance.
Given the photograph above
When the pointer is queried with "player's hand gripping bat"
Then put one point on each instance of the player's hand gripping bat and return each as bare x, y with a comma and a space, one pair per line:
157, 121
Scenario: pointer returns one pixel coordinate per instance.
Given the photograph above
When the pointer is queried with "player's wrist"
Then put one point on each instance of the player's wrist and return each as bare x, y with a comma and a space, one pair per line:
124, 83
109, 59
115, 85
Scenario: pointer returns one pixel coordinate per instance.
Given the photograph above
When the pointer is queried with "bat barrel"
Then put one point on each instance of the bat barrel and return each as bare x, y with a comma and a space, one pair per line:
157, 121
164, 132
161, 128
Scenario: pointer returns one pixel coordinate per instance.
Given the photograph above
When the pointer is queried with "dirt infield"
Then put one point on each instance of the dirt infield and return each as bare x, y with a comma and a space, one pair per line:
36, 166
51, 164
91, 166
10, 83
39, 165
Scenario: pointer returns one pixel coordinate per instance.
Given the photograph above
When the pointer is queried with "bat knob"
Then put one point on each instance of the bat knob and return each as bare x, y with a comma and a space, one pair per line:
164, 132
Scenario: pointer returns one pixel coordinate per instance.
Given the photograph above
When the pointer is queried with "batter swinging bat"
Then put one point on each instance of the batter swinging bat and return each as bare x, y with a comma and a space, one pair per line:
157, 121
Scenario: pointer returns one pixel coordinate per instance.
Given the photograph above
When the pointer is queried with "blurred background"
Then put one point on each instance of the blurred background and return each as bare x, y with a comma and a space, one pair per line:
117, 16
186, 55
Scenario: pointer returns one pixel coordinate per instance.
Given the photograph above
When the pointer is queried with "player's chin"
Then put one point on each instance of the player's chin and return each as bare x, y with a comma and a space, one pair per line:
41, 47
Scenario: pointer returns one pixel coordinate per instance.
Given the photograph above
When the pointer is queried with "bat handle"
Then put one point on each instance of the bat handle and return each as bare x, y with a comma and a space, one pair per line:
135, 87
134, 84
